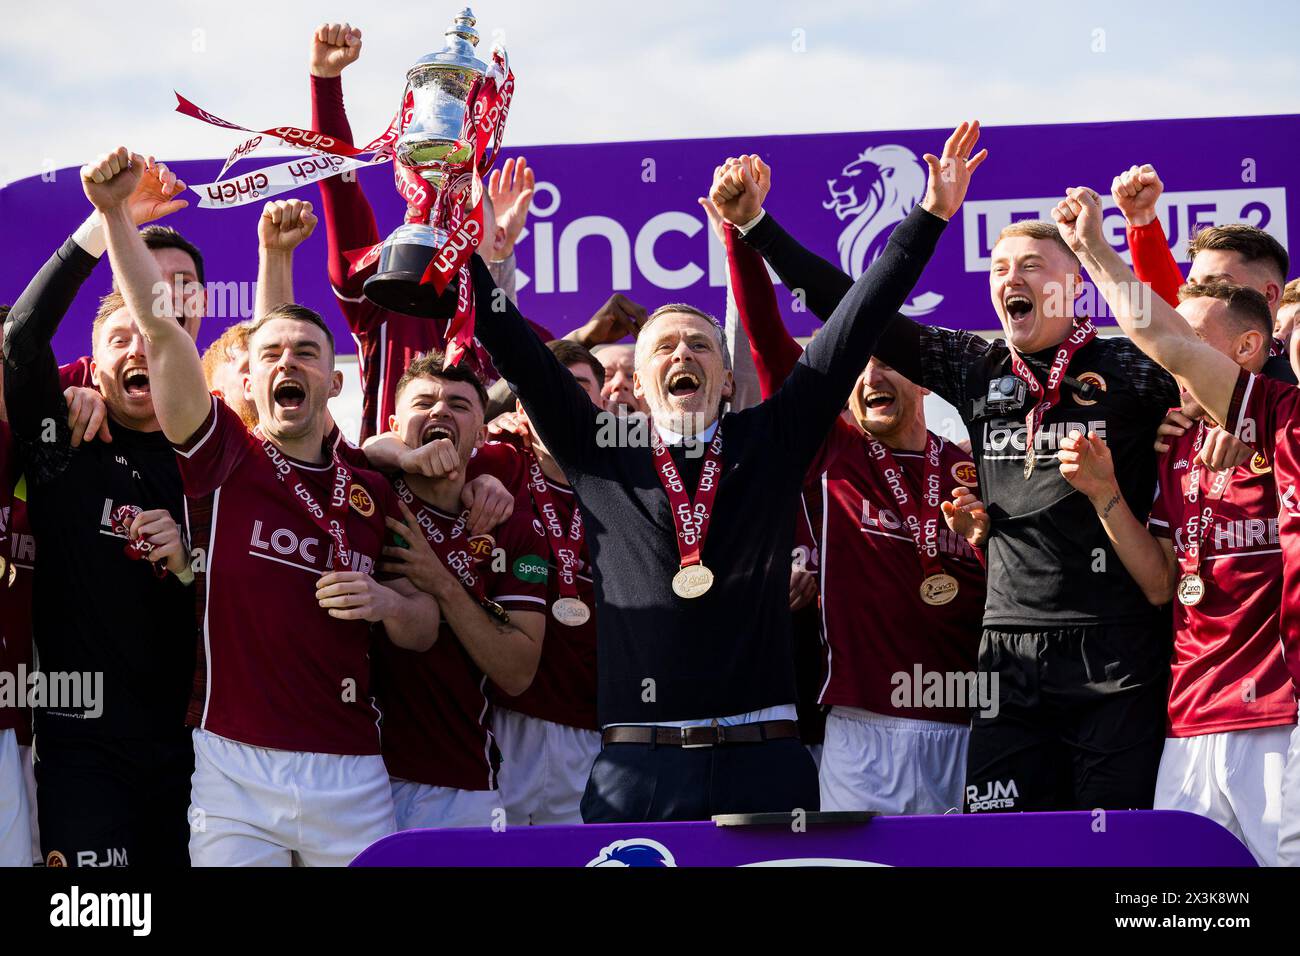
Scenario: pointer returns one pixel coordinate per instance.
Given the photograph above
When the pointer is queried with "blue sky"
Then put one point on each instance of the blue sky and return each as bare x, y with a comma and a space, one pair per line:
80, 77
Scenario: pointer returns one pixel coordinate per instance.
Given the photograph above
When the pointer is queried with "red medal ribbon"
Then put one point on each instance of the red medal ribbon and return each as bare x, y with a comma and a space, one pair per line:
451, 547
1083, 333
565, 547
1200, 521
334, 521
921, 517
690, 519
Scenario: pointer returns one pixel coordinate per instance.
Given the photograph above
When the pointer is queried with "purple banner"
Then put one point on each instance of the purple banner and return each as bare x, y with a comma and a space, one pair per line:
623, 216
1110, 838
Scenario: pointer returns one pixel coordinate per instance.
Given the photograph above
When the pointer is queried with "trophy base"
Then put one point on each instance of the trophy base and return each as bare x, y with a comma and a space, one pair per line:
396, 283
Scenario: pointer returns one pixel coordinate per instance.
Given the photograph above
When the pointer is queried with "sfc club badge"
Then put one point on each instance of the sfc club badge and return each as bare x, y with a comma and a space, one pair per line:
1259, 465
964, 473
480, 546
1090, 384
361, 501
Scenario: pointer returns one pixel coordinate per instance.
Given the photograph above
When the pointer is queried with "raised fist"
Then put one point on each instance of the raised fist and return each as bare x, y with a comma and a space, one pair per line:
285, 224
1078, 220
740, 185
1135, 191
110, 180
950, 174
333, 47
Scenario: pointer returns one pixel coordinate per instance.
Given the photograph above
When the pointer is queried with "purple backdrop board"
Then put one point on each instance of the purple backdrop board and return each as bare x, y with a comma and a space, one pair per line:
623, 216
1115, 838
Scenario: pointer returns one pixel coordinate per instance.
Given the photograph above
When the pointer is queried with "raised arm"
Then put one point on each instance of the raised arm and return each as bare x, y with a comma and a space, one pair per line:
1135, 191
180, 394
813, 396
349, 220
772, 348
33, 393
556, 404
285, 225
820, 284
1153, 324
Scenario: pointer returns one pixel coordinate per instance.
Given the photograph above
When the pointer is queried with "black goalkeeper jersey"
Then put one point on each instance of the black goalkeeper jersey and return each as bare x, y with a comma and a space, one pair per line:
1050, 562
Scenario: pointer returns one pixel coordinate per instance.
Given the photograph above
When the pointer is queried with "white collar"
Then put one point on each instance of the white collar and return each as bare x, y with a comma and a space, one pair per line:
670, 437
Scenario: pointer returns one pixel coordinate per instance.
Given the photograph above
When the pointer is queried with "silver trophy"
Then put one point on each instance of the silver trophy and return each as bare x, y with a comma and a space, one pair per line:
432, 146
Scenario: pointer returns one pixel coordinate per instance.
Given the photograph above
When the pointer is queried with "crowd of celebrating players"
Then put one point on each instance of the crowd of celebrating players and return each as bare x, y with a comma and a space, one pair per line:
467, 621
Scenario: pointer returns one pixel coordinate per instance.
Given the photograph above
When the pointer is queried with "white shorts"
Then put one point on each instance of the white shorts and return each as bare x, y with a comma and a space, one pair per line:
544, 767
15, 805
29, 770
1288, 833
1234, 778
251, 806
893, 765
421, 806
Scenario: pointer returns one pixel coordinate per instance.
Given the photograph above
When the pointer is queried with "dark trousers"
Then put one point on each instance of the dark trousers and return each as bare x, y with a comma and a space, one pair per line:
638, 783
114, 803
1080, 723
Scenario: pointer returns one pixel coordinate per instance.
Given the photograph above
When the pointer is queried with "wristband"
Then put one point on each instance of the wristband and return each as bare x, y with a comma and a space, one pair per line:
90, 235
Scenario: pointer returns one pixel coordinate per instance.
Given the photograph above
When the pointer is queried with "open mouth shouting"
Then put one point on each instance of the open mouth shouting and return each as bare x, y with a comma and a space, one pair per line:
1018, 307
436, 430
289, 394
683, 384
879, 401
135, 382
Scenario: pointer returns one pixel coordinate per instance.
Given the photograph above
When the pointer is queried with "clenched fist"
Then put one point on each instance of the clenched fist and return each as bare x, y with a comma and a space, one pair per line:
110, 180
285, 224
1135, 191
740, 185
333, 47
1078, 220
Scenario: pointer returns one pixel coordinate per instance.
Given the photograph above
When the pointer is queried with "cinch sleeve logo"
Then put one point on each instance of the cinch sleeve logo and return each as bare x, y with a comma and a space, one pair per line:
531, 569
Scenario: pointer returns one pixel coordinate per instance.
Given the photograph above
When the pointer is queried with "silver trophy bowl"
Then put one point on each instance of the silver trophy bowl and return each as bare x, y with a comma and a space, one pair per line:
433, 145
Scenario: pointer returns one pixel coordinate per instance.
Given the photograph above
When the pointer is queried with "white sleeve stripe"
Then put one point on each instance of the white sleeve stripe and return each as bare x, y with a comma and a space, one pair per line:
346, 298
1163, 524
522, 598
206, 435
1245, 403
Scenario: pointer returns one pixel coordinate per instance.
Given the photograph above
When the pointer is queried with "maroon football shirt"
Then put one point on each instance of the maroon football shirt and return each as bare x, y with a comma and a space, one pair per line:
274, 669
883, 642
437, 716
1227, 671
564, 690
1265, 414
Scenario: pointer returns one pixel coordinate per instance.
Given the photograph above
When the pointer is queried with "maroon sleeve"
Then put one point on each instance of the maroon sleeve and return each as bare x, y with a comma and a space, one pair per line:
349, 220
76, 374
500, 460
209, 456
522, 586
1153, 263
773, 348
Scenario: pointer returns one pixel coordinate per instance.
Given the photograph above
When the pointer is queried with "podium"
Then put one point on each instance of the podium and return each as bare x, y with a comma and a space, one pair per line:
1116, 838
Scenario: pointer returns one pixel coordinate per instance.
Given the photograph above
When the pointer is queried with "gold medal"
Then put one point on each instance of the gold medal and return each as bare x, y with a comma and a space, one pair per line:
6, 566
692, 581
1191, 588
1030, 456
570, 611
939, 589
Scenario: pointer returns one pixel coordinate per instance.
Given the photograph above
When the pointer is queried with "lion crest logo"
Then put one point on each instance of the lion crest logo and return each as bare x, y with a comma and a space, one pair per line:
870, 196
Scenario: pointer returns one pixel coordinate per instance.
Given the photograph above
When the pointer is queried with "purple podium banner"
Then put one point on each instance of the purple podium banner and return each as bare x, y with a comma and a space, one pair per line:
1113, 838
623, 216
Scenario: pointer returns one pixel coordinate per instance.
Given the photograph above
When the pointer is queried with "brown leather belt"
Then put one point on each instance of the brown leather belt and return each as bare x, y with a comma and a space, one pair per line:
711, 735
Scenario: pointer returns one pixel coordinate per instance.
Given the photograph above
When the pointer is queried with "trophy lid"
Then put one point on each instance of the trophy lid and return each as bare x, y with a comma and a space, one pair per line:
458, 52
